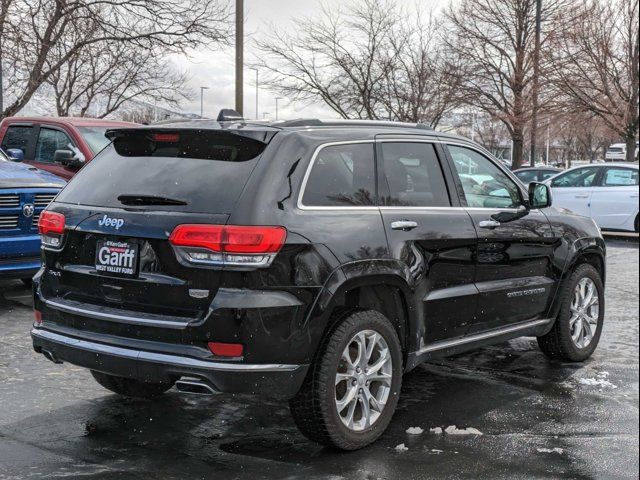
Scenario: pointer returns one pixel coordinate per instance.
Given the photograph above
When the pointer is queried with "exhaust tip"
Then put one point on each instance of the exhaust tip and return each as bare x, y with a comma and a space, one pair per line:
195, 386
51, 356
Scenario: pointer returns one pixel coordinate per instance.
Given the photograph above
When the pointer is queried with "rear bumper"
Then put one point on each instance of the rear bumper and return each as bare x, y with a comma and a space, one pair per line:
273, 380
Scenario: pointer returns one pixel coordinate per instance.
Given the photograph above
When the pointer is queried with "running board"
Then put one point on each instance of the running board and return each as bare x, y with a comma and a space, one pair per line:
457, 345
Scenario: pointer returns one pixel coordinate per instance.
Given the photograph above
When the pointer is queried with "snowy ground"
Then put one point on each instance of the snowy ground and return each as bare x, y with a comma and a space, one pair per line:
500, 412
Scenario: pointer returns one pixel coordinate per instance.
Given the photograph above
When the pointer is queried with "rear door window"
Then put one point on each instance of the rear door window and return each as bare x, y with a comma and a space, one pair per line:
620, 177
17, 136
413, 176
197, 171
527, 176
341, 176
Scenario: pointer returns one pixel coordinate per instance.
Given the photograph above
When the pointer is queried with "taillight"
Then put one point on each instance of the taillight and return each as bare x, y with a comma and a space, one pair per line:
37, 315
241, 246
51, 228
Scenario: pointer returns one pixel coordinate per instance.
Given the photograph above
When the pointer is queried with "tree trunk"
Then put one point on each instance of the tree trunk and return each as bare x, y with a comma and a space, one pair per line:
630, 140
517, 137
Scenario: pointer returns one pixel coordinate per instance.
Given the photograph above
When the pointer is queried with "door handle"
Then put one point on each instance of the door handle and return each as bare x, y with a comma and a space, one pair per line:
405, 225
488, 223
582, 196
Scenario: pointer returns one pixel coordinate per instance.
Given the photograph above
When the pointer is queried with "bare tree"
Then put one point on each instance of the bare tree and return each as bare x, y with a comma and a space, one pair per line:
365, 61
41, 28
493, 43
595, 64
101, 78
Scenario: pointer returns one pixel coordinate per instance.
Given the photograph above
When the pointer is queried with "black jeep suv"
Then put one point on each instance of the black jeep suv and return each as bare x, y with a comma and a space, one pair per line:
307, 260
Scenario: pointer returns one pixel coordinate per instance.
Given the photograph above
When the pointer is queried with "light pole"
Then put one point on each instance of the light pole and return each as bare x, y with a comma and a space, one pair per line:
239, 55
202, 89
257, 116
277, 98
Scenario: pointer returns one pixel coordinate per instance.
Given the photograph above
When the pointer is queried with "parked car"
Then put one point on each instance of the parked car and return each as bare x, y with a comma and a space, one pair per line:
617, 152
58, 145
271, 259
536, 174
24, 192
608, 193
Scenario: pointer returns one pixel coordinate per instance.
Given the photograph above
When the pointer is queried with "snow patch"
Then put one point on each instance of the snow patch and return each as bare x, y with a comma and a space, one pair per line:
596, 382
436, 451
436, 430
453, 430
559, 451
401, 448
414, 430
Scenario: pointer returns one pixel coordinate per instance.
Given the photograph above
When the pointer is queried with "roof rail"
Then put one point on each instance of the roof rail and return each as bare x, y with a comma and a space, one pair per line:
316, 122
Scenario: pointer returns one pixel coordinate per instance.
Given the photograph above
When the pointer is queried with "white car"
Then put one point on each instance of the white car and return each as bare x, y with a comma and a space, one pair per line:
608, 193
618, 152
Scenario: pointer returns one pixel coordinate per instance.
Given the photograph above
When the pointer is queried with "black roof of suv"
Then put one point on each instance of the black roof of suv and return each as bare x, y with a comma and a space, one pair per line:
312, 261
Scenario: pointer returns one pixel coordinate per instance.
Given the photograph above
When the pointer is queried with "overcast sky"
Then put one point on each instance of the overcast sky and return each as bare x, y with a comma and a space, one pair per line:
215, 69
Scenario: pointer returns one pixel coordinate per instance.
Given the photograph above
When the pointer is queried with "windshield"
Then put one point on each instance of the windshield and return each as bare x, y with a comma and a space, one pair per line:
94, 136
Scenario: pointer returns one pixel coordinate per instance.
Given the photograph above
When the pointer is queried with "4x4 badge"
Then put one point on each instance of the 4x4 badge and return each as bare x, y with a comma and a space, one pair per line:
107, 221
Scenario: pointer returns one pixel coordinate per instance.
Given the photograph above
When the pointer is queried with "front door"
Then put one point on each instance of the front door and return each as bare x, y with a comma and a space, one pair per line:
430, 235
515, 245
49, 140
573, 189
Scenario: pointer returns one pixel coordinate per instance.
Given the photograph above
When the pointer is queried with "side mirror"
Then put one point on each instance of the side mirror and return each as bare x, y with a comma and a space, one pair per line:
66, 157
15, 154
539, 195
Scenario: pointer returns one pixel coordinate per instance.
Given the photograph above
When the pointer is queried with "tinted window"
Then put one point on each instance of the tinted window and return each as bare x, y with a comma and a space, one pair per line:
620, 177
581, 177
50, 140
527, 176
413, 176
342, 176
17, 136
206, 170
485, 185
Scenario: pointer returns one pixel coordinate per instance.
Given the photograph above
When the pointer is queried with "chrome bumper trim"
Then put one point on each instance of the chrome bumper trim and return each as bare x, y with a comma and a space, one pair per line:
162, 358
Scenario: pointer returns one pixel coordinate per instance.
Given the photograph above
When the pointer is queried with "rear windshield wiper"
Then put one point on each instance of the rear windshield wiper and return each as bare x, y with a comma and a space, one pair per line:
149, 200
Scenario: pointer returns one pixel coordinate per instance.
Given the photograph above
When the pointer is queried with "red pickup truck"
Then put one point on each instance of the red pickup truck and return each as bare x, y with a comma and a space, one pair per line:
60, 145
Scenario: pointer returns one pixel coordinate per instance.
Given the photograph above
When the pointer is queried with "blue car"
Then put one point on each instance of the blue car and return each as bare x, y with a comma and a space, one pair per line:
24, 192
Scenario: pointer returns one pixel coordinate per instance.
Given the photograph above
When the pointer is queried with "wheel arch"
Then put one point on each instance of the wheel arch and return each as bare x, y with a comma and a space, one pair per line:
387, 293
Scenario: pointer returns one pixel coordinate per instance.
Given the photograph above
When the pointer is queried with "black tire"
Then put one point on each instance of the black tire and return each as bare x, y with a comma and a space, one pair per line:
314, 407
558, 343
129, 387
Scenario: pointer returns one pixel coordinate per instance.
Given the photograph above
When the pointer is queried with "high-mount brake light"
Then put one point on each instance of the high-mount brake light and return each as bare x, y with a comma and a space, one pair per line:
165, 137
51, 228
233, 245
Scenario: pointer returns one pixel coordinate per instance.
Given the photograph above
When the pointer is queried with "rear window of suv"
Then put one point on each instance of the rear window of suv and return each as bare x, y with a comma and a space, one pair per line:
202, 171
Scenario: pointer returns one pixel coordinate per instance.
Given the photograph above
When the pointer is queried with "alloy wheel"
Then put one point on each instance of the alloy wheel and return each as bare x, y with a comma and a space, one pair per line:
363, 380
585, 311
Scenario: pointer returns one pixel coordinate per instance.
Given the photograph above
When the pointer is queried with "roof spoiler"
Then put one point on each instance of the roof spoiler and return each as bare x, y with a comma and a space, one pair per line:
229, 115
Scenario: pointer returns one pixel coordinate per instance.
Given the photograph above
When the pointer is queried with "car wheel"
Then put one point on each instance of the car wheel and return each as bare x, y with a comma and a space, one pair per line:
576, 332
352, 389
129, 387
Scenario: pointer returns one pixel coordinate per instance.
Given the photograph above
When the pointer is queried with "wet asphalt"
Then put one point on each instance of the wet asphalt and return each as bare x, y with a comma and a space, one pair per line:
538, 419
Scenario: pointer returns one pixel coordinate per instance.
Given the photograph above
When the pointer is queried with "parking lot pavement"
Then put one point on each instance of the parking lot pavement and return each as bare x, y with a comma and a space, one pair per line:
538, 419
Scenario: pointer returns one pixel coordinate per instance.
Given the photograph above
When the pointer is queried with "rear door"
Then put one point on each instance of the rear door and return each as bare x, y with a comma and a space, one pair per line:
614, 202
573, 189
515, 245
429, 234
